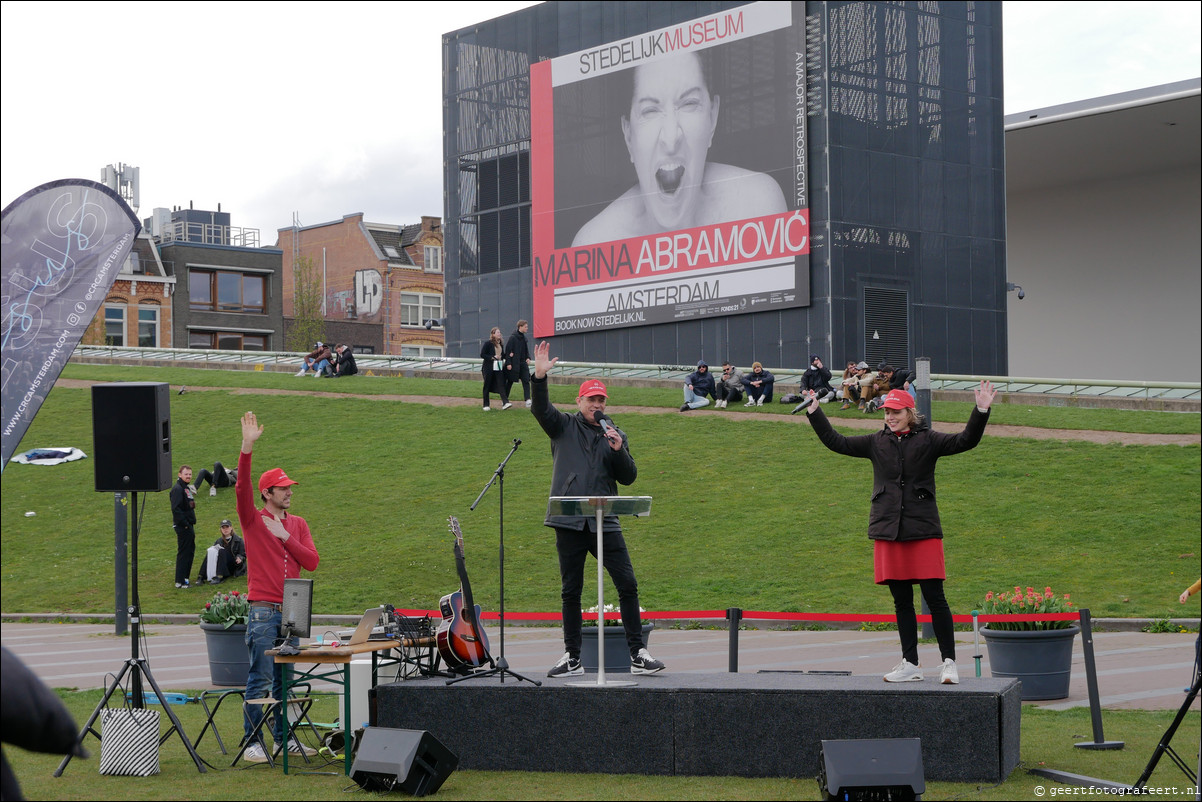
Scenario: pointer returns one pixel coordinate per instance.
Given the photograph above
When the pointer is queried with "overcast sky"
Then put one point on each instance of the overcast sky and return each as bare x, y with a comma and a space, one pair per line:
317, 110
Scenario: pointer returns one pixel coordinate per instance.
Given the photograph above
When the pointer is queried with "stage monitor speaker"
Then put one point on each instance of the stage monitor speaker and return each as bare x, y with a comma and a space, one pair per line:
131, 436
413, 761
872, 769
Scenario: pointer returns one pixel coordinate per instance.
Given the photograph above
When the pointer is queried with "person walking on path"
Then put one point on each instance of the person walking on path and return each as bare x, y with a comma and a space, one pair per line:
492, 371
517, 361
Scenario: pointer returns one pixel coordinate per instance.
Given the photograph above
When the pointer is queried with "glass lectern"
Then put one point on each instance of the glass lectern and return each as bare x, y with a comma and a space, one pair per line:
600, 506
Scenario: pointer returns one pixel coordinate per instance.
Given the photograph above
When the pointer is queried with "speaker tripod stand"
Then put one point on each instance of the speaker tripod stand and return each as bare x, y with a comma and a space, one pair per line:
136, 664
501, 665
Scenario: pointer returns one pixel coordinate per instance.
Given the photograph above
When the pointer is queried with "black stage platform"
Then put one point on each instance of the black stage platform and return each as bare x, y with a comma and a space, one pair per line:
754, 725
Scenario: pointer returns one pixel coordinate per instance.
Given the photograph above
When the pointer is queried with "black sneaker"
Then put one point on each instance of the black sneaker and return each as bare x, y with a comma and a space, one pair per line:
644, 663
684, 407
567, 666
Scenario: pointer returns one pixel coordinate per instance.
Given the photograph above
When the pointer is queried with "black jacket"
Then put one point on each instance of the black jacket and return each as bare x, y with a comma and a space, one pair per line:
899, 379
236, 547
488, 355
703, 383
583, 464
517, 351
183, 505
903, 485
34, 718
816, 379
345, 361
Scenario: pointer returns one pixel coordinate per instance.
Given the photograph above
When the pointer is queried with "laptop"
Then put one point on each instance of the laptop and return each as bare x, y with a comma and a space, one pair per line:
363, 632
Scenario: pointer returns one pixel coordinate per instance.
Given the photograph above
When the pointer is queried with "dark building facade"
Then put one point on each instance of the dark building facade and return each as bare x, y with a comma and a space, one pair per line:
226, 298
896, 113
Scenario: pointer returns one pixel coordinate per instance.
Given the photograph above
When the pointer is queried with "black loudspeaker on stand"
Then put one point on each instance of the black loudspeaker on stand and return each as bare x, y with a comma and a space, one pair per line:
131, 437
131, 444
413, 761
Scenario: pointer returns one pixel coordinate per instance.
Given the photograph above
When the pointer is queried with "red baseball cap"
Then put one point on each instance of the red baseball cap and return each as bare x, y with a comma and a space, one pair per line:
898, 399
592, 387
274, 478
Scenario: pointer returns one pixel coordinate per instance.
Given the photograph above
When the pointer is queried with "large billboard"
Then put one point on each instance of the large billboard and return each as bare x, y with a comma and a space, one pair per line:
669, 174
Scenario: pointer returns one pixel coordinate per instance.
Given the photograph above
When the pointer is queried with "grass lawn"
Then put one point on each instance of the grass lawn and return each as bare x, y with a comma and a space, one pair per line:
1047, 742
747, 513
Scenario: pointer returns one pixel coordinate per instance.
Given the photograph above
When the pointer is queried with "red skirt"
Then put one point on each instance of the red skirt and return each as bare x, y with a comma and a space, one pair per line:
908, 559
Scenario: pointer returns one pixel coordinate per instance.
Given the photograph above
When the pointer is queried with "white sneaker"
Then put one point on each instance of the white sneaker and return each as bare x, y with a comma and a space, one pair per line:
905, 671
750, 402
255, 754
298, 748
506, 405
948, 675
212, 490
720, 403
488, 409
759, 402
529, 403
300, 372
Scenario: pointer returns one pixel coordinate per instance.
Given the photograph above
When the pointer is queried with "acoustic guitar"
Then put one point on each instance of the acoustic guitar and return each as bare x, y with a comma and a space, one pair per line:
462, 642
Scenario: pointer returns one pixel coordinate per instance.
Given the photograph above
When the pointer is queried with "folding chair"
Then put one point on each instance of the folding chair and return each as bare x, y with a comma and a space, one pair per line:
298, 710
211, 715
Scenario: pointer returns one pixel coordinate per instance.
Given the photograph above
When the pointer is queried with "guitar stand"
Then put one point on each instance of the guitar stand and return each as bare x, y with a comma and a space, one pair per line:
500, 664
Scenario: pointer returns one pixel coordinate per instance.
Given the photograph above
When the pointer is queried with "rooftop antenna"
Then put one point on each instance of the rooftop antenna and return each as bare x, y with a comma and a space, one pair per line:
125, 181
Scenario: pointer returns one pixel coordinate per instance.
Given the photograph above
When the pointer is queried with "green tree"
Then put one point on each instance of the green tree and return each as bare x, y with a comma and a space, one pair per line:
308, 326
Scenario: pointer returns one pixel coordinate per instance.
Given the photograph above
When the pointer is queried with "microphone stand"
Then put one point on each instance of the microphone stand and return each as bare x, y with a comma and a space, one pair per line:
501, 664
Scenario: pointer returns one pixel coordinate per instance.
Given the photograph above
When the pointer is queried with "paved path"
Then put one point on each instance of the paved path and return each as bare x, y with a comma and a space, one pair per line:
1135, 669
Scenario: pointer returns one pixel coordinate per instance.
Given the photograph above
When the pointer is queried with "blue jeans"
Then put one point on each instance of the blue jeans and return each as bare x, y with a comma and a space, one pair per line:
266, 677
322, 367
693, 400
573, 546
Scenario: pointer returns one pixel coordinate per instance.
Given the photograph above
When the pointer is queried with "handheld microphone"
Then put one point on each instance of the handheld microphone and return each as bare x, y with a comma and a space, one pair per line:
605, 422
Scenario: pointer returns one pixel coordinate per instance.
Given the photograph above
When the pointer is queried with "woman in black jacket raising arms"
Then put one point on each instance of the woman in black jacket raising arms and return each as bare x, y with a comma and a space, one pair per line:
904, 519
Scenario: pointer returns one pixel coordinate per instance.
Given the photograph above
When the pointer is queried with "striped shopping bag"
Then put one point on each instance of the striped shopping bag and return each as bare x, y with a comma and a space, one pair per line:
129, 741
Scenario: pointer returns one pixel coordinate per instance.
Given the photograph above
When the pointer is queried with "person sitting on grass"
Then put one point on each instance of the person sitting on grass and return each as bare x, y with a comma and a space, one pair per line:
317, 360
697, 386
759, 386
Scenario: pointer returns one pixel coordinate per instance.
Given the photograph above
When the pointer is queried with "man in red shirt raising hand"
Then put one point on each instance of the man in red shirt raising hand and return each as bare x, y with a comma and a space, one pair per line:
278, 546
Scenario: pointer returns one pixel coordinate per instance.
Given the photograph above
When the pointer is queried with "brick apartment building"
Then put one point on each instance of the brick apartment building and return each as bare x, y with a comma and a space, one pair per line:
379, 282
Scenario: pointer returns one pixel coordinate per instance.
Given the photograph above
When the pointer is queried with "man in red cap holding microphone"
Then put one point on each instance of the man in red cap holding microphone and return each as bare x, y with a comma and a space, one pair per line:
588, 459
278, 546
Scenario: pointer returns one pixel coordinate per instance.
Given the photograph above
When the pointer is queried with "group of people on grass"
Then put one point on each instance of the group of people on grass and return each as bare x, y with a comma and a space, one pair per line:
227, 556
322, 362
859, 385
